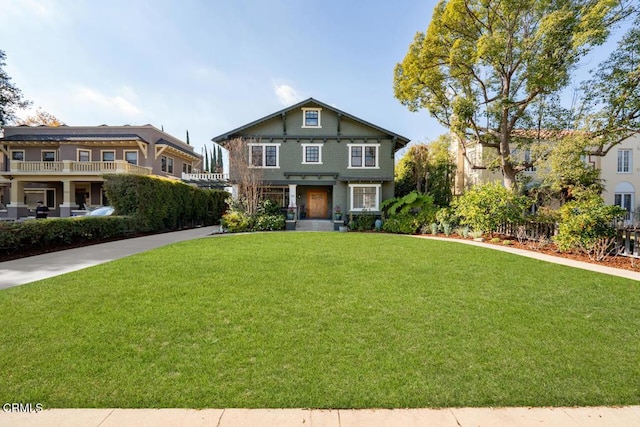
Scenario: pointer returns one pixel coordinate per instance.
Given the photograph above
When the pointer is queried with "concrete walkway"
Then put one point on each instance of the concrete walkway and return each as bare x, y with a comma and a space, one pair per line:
452, 417
25, 270
38, 267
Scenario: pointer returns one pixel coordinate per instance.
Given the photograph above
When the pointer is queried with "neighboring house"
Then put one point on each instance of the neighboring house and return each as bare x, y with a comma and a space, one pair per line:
620, 170
316, 158
64, 166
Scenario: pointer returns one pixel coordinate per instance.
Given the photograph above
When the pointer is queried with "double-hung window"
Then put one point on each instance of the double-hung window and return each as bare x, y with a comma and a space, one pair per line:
84, 155
624, 161
108, 156
131, 157
312, 154
48, 156
264, 155
311, 117
17, 155
364, 197
363, 155
166, 164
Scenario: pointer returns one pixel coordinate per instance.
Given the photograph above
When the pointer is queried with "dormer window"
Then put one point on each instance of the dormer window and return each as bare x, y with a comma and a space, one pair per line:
311, 117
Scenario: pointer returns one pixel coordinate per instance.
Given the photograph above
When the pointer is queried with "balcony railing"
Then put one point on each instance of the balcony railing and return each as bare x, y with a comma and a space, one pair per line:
73, 167
204, 176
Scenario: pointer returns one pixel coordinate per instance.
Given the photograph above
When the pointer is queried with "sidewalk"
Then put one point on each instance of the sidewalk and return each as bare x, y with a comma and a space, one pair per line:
38, 267
454, 417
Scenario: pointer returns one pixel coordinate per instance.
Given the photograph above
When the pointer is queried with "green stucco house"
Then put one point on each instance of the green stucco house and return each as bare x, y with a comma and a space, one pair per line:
318, 159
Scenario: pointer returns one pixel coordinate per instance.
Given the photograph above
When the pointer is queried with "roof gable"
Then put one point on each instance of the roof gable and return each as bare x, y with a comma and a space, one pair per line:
400, 141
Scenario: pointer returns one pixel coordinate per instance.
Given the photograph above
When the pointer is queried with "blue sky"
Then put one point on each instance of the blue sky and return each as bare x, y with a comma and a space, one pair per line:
211, 66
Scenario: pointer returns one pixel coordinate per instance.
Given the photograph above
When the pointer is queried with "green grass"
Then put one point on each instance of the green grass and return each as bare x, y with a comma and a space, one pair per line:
327, 320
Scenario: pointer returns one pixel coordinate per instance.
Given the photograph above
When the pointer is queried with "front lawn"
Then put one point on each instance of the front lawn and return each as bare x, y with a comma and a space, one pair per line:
322, 320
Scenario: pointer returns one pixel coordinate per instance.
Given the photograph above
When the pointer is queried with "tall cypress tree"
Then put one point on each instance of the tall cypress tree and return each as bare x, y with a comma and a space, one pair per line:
214, 161
206, 160
220, 164
188, 143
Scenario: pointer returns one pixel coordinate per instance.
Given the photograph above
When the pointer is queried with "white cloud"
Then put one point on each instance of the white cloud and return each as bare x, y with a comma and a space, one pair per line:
286, 94
117, 103
41, 10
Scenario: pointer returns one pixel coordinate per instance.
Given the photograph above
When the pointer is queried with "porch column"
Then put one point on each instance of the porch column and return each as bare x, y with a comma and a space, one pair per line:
68, 193
16, 207
292, 195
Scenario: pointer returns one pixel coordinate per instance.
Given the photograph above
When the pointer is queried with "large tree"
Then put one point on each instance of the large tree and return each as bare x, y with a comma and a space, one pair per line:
484, 67
41, 118
10, 96
610, 110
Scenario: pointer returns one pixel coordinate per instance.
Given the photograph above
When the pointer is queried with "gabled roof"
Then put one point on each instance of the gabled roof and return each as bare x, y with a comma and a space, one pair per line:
401, 141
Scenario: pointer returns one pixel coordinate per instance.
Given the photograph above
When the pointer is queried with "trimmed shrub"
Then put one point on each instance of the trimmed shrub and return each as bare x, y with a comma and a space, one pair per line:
39, 236
486, 207
162, 204
401, 224
588, 225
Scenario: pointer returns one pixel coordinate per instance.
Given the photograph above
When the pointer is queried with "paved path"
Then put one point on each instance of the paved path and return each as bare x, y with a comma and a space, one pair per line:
25, 270
454, 417
38, 267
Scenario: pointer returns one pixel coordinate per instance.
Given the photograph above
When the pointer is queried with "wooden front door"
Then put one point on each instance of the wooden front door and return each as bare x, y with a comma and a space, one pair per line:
317, 206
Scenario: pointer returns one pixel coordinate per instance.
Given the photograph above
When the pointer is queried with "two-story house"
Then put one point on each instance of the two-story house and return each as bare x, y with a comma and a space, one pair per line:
64, 166
619, 169
317, 158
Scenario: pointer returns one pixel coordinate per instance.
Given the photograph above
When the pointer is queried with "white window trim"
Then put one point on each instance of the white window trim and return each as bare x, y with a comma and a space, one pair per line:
107, 151
304, 154
630, 153
264, 157
304, 117
79, 150
124, 155
377, 166
378, 188
55, 155
166, 162
24, 155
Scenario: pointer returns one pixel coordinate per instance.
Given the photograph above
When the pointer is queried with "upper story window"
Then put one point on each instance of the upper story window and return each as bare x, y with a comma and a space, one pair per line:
131, 157
312, 154
166, 164
84, 155
527, 159
48, 156
17, 155
108, 156
363, 155
311, 117
186, 168
624, 161
264, 155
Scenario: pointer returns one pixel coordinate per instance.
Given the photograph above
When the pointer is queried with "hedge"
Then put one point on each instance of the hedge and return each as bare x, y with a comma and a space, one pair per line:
38, 236
161, 204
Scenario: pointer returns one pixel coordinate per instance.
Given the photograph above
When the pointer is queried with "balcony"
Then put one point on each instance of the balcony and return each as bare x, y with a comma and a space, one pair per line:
70, 167
215, 177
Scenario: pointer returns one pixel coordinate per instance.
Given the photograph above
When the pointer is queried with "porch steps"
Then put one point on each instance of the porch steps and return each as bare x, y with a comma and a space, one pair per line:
314, 225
